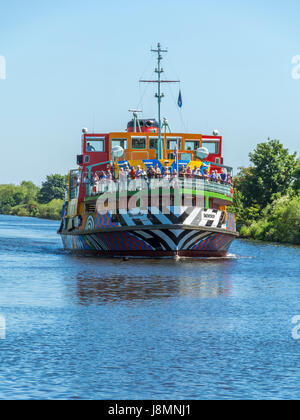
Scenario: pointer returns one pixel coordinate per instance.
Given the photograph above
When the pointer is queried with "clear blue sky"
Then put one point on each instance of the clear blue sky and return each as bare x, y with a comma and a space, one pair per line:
74, 64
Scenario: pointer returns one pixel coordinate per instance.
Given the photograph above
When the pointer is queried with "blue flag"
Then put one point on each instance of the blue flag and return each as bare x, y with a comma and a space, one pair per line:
180, 103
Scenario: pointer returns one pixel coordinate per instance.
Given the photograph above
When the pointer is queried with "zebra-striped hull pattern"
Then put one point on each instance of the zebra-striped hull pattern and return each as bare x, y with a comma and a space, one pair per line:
152, 243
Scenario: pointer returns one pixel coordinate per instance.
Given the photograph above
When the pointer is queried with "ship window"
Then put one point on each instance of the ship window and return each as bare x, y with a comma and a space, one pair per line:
95, 144
186, 156
172, 143
153, 143
191, 145
138, 143
211, 146
120, 142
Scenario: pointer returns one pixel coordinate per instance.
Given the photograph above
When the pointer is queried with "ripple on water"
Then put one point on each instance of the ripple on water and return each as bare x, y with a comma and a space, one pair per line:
82, 327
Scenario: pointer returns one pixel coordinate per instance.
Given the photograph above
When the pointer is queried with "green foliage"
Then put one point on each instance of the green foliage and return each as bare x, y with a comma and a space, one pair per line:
53, 188
271, 173
296, 179
22, 200
267, 202
245, 214
51, 210
280, 222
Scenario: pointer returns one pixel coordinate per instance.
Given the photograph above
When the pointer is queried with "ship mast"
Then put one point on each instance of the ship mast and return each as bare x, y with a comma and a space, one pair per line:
159, 95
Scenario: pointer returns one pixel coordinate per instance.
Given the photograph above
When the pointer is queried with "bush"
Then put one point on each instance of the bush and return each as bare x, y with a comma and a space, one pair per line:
51, 210
22, 200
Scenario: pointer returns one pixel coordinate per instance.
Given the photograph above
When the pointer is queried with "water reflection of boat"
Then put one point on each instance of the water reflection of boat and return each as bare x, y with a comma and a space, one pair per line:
98, 290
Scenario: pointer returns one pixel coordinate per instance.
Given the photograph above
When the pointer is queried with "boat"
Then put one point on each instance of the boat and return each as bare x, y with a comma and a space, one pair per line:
149, 192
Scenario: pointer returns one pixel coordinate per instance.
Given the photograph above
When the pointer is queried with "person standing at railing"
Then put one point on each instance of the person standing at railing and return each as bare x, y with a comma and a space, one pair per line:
110, 181
218, 180
204, 167
144, 176
133, 179
182, 172
223, 177
87, 184
151, 176
157, 175
138, 175
110, 168
157, 172
101, 185
123, 180
151, 172
213, 176
174, 179
189, 172
206, 175
198, 174
95, 183
229, 179
127, 170
166, 176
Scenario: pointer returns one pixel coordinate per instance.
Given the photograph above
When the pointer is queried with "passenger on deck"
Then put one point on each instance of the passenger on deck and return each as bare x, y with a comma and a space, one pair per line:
174, 179
223, 176
151, 172
206, 175
167, 174
123, 179
127, 170
213, 176
189, 173
229, 179
203, 168
157, 172
138, 175
133, 179
182, 171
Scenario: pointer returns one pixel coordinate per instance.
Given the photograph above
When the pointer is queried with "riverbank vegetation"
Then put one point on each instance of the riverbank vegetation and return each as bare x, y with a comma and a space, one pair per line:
267, 195
28, 200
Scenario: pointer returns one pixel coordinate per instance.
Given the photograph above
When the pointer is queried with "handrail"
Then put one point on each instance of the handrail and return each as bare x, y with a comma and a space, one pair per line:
126, 185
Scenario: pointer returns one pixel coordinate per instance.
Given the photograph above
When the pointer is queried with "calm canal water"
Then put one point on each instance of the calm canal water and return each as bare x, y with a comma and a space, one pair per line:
143, 329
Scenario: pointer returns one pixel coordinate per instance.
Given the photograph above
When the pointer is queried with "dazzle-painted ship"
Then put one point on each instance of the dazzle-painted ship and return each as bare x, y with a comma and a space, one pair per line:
148, 192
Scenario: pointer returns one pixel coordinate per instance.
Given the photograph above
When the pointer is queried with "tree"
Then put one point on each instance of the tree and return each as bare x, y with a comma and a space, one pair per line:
31, 191
271, 173
53, 188
296, 177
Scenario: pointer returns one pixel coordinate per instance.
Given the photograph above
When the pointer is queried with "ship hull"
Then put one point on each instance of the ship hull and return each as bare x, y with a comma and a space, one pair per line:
152, 243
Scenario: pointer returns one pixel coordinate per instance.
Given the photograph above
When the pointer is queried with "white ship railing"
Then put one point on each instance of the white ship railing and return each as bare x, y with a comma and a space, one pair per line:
130, 186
